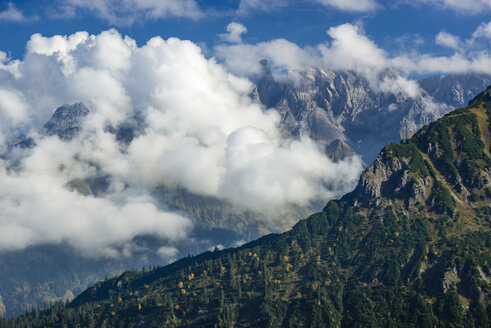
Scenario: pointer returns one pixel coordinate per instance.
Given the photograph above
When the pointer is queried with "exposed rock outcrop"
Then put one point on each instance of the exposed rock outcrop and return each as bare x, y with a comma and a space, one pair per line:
330, 105
383, 175
2, 307
66, 121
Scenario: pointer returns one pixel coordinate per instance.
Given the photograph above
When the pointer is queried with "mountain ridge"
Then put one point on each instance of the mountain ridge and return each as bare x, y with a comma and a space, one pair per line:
410, 246
218, 220
330, 105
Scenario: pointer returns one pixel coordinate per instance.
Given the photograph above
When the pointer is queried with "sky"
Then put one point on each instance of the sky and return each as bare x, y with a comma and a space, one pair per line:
395, 26
179, 72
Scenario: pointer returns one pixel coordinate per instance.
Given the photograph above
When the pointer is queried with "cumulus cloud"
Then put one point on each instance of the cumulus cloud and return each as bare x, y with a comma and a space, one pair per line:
447, 40
128, 12
12, 14
196, 127
351, 5
12, 106
234, 33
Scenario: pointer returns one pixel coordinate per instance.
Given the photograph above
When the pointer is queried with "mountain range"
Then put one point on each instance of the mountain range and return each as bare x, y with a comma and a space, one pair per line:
408, 247
337, 109
343, 106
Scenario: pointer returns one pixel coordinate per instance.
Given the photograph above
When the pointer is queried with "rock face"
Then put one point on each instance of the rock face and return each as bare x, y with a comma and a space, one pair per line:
2, 307
66, 121
338, 150
382, 175
450, 280
455, 90
341, 105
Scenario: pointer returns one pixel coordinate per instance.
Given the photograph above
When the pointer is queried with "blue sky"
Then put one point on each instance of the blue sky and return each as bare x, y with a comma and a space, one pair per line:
394, 26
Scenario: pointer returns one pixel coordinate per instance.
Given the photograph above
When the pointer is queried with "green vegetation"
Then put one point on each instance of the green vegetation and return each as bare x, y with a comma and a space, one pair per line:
441, 200
410, 150
385, 262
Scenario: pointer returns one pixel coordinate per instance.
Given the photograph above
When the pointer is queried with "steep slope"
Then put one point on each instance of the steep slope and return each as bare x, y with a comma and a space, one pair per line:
410, 246
338, 150
455, 89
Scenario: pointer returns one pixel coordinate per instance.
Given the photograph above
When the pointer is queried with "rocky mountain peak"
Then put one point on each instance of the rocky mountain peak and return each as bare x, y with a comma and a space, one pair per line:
442, 166
66, 121
339, 150
331, 105
455, 90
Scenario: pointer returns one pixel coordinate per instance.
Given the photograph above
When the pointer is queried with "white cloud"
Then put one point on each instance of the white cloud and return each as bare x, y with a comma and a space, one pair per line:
234, 33
351, 5
128, 12
350, 49
409, 41
448, 40
12, 13
300, 171
14, 114
247, 6
483, 31
461, 6
57, 44
167, 252
200, 131
12, 106
243, 59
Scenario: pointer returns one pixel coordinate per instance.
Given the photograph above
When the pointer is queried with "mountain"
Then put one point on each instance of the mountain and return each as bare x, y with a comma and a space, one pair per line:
342, 105
409, 247
338, 150
43, 274
66, 121
455, 90
342, 114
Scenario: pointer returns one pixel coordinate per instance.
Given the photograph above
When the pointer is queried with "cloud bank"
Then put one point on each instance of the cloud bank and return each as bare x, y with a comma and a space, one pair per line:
195, 126
349, 49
